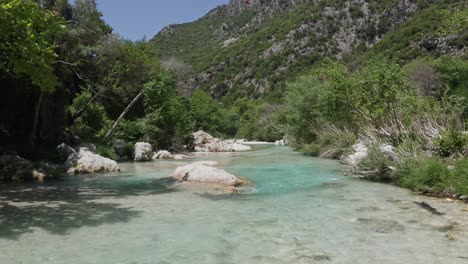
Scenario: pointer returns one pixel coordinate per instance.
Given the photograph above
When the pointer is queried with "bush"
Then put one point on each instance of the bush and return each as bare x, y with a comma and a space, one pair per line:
460, 177
407, 156
335, 142
376, 166
451, 144
107, 152
429, 174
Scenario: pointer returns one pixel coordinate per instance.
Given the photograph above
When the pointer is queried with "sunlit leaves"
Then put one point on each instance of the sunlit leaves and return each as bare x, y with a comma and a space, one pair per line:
27, 41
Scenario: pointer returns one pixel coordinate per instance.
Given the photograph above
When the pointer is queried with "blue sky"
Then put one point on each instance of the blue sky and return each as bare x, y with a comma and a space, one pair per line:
134, 19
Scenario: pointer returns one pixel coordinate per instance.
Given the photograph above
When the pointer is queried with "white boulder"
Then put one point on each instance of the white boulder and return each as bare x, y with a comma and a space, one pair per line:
203, 172
280, 143
88, 146
85, 161
360, 151
204, 142
240, 147
142, 151
163, 154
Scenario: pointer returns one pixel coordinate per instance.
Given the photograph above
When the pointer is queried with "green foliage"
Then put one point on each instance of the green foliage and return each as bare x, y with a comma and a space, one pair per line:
27, 41
93, 123
414, 38
376, 166
451, 144
106, 151
429, 174
460, 176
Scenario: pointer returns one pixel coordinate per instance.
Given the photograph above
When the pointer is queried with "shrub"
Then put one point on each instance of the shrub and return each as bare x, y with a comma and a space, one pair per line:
428, 175
376, 166
451, 144
335, 142
107, 152
460, 176
407, 156
311, 149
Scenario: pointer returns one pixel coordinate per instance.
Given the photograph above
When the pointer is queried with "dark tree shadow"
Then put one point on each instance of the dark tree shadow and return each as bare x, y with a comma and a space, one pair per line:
60, 207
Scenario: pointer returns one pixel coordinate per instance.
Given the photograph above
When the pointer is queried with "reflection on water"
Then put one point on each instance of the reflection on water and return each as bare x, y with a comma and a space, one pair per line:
301, 211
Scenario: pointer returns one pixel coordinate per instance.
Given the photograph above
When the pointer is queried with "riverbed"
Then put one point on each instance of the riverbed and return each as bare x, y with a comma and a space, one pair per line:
301, 210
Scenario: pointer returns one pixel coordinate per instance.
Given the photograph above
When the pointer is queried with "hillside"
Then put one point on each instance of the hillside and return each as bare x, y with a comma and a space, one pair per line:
250, 48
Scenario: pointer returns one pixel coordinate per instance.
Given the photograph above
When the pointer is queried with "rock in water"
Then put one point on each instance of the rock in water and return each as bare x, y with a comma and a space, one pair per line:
85, 161
142, 151
120, 148
16, 169
203, 172
163, 154
64, 151
204, 142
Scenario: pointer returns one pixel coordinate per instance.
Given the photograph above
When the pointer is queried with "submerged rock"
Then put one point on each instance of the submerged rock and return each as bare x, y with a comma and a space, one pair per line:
204, 142
203, 172
85, 161
142, 151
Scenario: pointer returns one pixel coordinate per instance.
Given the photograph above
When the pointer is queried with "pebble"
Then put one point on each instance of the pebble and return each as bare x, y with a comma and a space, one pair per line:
448, 200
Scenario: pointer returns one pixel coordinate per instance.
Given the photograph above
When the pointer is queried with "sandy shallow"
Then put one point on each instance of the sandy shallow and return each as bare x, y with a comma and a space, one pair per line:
300, 211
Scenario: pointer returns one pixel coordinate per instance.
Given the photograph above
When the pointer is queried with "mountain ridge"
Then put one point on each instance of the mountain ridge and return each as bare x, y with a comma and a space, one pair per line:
251, 48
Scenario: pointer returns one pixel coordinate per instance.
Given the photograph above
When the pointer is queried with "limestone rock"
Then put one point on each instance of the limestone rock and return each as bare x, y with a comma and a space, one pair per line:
360, 152
88, 146
85, 161
17, 169
163, 154
204, 172
204, 142
142, 151
280, 143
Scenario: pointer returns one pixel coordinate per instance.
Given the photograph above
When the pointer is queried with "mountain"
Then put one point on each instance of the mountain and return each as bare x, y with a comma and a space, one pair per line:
249, 48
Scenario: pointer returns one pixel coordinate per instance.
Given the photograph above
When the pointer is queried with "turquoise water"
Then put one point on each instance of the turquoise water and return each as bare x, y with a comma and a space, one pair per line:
301, 211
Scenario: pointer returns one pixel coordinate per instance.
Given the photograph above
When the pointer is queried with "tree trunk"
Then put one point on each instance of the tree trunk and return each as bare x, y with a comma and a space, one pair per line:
117, 122
35, 121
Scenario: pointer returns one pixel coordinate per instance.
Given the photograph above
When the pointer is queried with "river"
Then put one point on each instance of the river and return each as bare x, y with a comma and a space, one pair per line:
302, 210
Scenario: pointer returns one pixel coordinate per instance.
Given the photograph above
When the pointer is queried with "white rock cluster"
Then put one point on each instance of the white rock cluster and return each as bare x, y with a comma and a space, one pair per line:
85, 160
204, 142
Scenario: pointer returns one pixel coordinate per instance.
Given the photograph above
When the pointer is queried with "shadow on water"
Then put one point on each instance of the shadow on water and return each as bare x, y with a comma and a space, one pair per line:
61, 207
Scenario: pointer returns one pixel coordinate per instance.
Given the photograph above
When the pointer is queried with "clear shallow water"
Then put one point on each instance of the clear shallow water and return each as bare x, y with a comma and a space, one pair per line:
302, 211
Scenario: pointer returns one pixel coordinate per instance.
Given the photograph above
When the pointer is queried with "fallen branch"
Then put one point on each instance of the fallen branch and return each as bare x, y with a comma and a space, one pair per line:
117, 122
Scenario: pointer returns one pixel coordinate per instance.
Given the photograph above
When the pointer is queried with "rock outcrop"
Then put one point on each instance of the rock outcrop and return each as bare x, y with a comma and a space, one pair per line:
204, 142
16, 169
142, 151
85, 161
204, 172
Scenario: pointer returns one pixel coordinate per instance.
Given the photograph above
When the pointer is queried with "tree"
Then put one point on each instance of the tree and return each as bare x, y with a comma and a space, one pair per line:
27, 46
